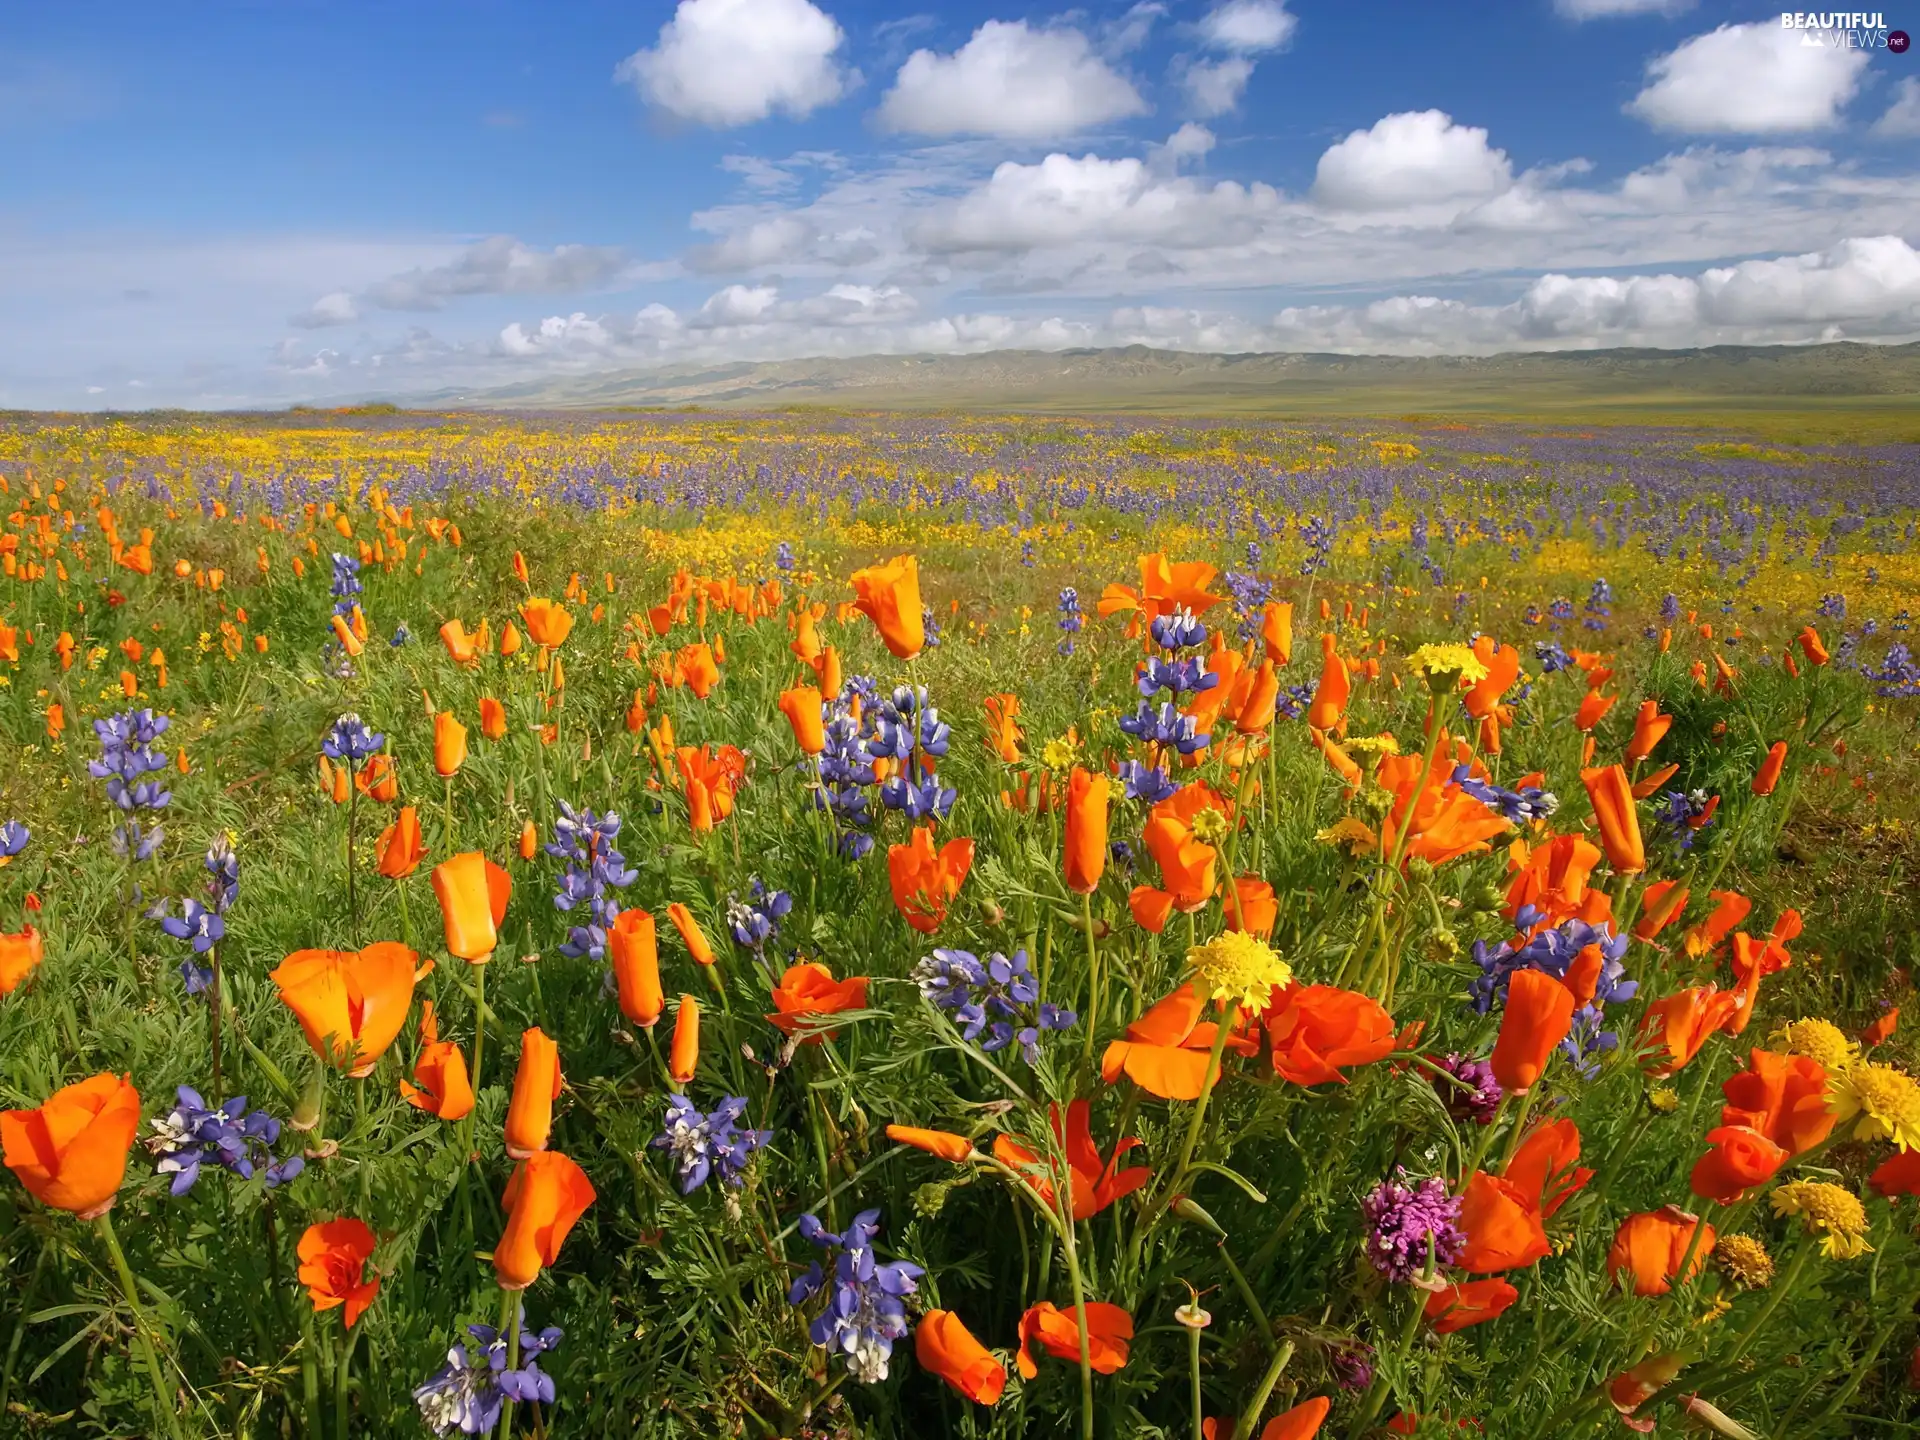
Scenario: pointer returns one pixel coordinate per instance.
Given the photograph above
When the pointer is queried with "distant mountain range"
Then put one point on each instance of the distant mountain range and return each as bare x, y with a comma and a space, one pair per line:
1139, 378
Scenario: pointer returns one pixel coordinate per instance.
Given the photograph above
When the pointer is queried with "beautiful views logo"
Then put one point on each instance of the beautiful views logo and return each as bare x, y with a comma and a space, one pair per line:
1843, 30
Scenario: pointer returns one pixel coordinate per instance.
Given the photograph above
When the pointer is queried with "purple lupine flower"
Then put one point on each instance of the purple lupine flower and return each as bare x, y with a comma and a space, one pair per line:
1072, 618
865, 1310
998, 996
1477, 1104
228, 1135
702, 1145
1553, 952
755, 921
594, 870
351, 739
1532, 803
346, 584
1146, 783
13, 839
466, 1394
1407, 1222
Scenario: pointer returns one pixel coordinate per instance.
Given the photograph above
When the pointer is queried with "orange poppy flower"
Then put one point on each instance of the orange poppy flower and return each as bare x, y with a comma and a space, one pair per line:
1255, 712
1503, 1226
1539, 1013
1252, 907
1003, 731
1328, 708
1057, 1331
537, 1083
801, 706
378, 779
709, 778
333, 1264
1342, 763
1593, 707
1662, 904
548, 624
1444, 821
493, 718
20, 956
890, 597
1740, 1160
1897, 1175
1096, 1183
1649, 729
1165, 585
546, 1196
462, 648
1677, 1025
510, 638
1768, 775
1812, 647
1316, 1030
1654, 780
1631, 1389
401, 847
350, 1004
1276, 631
1167, 1050
1150, 908
946, 1348
529, 842
1553, 879
683, 1058
1472, 1302
71, 1151
1503, 668
473, 894
808, 990
442, 1087
1784, 1097
634, 953
1085, 856
942, 1144
1619, 821
1875, 1033
1546, 1166
924, 880
698, 668
690, 933
1186, 862
1731, 908
343, 632
1649, 1247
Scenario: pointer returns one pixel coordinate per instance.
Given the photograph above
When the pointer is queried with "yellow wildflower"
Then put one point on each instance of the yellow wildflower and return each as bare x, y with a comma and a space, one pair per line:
1832, 1212
1666, 1099
1441, 665
1059, 754
1372, 744
1353, 835
1820, 1040
1237, 966
1210, 826
1886, 1100
1746, 1260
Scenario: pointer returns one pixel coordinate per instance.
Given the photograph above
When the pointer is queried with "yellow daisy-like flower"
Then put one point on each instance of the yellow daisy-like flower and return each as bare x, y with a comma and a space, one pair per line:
1371, 745
1237, 966
1834, 1213
1443, 664
1746, 1260
1820, 1040
1353, 835
1210, 826
1886, 1100
1059, 754
1666, 1099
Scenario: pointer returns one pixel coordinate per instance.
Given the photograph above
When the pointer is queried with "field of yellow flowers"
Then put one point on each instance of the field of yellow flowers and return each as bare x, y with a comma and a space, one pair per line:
877, 926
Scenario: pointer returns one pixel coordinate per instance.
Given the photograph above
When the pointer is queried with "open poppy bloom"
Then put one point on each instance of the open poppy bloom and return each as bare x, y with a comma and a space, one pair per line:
1676, 1026
1003, 730
1443, 821
378, 779
1503, 1226
1650, 727
1730, 909
924, 880
1739, 1161
1165, 586
537, 1083
333, 1264
801, 706
1166, 1051
543, 1200
633, 951
1538, 1015
462, 648
441, 1086
942, 1144
20, 955
809, 990
1648, 1249
1318, 1030
1502, 662
548, 624
1057, 1331
1899, 1174
351, 1004
889, 596
473, 894
1554, 879
1471, 1302
946, 1348
690, 933
1784, 1097
1097, 1183
1812, 646
1546, 1165
1085, 853
71, 1151
400, 847
710, 777
1186, 862
1276, 631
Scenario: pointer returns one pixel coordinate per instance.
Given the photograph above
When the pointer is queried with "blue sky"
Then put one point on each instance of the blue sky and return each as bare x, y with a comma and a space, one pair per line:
270, 202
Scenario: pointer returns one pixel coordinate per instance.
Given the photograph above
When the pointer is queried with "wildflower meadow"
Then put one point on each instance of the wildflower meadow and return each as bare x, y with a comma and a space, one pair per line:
890, 926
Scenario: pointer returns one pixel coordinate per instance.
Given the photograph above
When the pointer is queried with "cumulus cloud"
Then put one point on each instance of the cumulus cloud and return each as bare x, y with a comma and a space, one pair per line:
1010, 81
1758, 79
1417, 157
1903, 116
335, 308
1607, 9
732, 62
1248, 26
1214, 87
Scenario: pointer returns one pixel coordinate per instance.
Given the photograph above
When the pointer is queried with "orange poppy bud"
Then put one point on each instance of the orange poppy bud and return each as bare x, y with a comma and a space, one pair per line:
351, 1004
946, 1348
333, 1262
1303, 1421
690, 933
1251, 907
473, 893
925, 881
1502, 1222
1085, 855
1057, 1331
536, 1085
449, 745
1256, 712
889, 596
529, 841
1740, 1160
493, 718
1538, 1016
400, 846
343, 632
56, 720
808, 990
20, 955
1619, 821
520, 568
1650, 1246
1329, 703
1455, 1307
510, 639
1593, 705
546, 1196
634, 952
441, 1085
1649, 729
71, 1152
548, 624
1812, 647
684, 1056
942, 1144
801, 705
1770, 768
1276, 631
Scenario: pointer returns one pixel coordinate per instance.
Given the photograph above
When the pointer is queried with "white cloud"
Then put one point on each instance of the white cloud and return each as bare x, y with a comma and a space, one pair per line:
1607, 9
1417, 157
334, 308
1248, 26
1903, 116
1189, 142
1009, 81
737, 305
1215, 86
500, 265
732, 62
556, 333
1759, 79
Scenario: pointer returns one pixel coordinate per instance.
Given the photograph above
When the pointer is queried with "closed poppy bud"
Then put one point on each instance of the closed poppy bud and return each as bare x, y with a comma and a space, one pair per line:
493, 718
1329, 702
548, 624
633, 949
801, 706
1812, 647
473, 893
684, 1056
536, 1085
946, 1348
1085, 856
449, 745
351, 1004
529, 841
1619, 821
401, 848
349, 641
1455, 1307
1276, 630
1649, 729
333, 1264
510, 639
1538, 1016
1770, 768
1649, 1247
1256, 714
543, 1200
71, 1152
690, 933
20, 955
827, 667
942, 1144
890, 597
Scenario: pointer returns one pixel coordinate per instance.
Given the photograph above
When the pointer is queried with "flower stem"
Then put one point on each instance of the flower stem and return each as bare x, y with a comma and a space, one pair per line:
1773, 1302
1193, 1366
163, 1407
1250, 1417
1093, 973
479, 1050
1377, 1393
342, 1404
509, 1322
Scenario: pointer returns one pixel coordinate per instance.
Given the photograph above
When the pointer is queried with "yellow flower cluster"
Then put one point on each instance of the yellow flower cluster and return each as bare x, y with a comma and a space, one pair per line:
1446, 663
1746, 1260
1819, 1040
1834, 1213
1239, 967
1886, 1101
